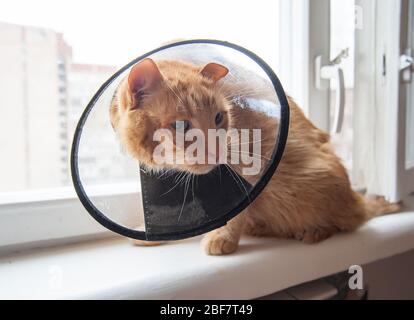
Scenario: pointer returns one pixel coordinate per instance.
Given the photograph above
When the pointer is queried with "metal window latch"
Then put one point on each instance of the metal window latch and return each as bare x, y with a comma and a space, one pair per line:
406, 66
332, 71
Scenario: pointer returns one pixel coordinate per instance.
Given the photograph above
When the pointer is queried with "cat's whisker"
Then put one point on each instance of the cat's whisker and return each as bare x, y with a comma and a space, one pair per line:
219, 173
248, 142
186, 187
236, 148
169, 87
177, 184
179, 180
183, 179
192, 184
179, 176
237, 145
167, 173
248, 92
239, 182
253, 155
256, 95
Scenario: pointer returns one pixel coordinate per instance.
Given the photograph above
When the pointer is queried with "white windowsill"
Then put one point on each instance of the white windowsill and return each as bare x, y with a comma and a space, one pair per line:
115, 269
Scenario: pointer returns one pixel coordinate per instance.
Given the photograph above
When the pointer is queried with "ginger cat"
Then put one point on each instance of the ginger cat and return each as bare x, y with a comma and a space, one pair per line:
309, 197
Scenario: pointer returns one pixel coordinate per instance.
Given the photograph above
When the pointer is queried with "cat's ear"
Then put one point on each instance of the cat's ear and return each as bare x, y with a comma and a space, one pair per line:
214, 71
144, 78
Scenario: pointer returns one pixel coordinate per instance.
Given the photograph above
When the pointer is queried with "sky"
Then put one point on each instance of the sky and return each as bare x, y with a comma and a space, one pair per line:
115, 32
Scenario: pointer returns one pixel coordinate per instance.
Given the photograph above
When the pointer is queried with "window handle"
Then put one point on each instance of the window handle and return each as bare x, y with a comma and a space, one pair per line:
332, 71
339, 101
406, 65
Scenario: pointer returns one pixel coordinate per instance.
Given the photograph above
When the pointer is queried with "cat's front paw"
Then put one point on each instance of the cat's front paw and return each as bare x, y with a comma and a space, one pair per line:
216, 244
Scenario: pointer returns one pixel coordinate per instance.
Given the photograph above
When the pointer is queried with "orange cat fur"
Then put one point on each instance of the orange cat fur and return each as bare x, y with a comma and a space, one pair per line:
308, 198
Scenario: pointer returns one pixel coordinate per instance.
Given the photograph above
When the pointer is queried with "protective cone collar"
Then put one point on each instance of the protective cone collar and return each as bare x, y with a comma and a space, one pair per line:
158, 206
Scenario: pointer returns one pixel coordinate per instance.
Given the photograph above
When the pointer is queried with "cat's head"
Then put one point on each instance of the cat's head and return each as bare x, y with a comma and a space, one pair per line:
176, 97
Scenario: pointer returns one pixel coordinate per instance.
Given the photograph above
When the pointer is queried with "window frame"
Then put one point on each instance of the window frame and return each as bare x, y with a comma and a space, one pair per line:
37, 218
405, 177
380, 101
311, 27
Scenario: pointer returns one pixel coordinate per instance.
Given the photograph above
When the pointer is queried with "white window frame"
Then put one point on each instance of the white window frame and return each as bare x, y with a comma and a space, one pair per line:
405, 173
311, 29
380, 102
38, 218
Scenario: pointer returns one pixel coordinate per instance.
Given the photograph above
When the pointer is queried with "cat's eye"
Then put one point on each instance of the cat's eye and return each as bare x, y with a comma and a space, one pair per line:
181, 125
219, 118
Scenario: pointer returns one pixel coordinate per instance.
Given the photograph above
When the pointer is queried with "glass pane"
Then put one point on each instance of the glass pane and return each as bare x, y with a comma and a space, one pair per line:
55, 55
342, 37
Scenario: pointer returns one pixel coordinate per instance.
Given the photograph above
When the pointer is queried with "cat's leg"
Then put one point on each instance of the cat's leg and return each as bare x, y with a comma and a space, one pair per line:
258, 228
317, 234
225, 240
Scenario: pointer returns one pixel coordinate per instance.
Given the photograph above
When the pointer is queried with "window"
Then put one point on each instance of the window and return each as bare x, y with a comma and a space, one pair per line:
51, 66
383, 119
48, 60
